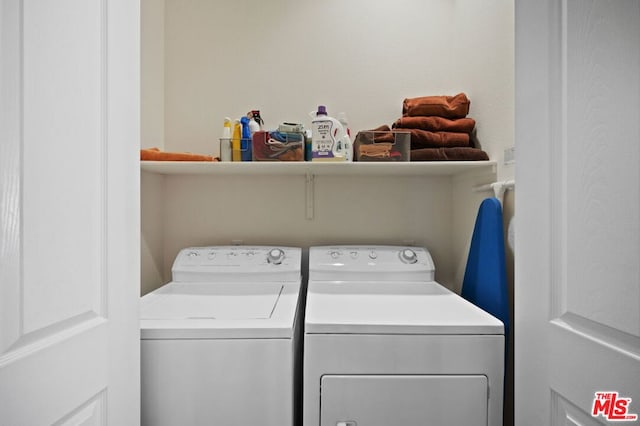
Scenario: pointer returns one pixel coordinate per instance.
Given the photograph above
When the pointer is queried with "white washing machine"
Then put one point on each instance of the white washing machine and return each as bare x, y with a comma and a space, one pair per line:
384, 344
220, 343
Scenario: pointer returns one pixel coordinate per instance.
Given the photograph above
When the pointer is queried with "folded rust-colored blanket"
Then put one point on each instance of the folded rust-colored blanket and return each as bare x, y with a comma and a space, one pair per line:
442, 106
436, 124
448, 154
426, 139
382, 128
154, 154
382, 134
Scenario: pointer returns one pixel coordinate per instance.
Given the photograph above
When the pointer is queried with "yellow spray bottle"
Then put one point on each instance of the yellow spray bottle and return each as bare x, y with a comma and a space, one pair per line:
236, 153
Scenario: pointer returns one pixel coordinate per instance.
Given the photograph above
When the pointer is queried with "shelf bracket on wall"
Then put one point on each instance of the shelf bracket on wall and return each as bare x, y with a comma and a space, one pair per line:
309, 195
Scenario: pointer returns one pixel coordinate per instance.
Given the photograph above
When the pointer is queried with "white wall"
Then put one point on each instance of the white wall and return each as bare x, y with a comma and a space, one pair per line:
152, 211
152, 61
362, 57
272, 211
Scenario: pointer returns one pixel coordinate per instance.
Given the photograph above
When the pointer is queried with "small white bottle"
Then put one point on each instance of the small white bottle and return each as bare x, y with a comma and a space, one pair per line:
225, 141
255, 121
348, 144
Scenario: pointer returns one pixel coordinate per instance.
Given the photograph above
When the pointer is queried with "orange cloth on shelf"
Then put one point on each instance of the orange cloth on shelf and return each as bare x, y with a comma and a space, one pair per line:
436, 124
449, 154
154, 154
442, 106
426, 139
382, 134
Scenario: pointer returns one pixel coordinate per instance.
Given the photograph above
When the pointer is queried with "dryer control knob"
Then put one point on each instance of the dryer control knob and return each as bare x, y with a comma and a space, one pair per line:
275, 256
408, 256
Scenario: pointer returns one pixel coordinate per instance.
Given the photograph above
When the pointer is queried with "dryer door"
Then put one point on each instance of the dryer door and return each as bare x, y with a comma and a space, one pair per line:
413, 400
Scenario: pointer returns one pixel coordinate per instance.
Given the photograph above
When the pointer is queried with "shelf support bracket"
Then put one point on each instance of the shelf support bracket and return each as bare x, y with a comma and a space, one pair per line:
309, 195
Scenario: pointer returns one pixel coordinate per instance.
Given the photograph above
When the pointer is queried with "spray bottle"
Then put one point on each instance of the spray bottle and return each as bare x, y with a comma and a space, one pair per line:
255, 121
328, 137
245, 143
225, 141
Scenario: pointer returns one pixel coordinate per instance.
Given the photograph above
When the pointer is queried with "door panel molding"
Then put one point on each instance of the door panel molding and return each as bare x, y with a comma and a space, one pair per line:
564, 413
601, 334
49, 336
58, 377
594, 155
11, 118
577, 275
93, 412
21, 325
69, 218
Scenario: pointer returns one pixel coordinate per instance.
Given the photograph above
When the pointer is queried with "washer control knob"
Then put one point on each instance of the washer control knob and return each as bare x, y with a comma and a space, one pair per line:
408, 256
373, 255
334, 254
275, 256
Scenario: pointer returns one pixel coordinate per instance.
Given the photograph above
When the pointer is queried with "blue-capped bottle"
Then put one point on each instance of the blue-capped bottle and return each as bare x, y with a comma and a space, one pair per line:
245, 142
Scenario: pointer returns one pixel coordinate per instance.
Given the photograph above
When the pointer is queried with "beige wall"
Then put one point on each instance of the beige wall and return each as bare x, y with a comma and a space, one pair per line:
152, 62
285, 57
152, 211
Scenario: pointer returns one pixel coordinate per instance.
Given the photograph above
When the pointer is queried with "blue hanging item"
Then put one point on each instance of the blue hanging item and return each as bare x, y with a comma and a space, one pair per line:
485, 277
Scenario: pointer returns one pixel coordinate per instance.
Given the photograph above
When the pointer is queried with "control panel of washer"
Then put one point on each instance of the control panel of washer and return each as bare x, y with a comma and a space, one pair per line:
261, 262
369, 262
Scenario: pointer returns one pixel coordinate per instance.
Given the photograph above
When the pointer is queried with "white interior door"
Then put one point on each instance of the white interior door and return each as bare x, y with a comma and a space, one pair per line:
577, 295
69, 215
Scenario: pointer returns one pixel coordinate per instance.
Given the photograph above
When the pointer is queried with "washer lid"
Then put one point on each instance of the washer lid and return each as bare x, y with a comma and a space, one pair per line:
219, 310
393, 308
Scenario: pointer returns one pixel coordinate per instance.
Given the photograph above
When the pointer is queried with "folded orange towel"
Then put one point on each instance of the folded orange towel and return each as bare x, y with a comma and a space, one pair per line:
443, 106
426, 139
382, 134
154, 154
448, 154
436, 124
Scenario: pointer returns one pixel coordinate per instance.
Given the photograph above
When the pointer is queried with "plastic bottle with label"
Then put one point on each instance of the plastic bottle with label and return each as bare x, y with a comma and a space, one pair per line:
246, 142
348, 143
225, 141
328, 138
255, 121
236, 153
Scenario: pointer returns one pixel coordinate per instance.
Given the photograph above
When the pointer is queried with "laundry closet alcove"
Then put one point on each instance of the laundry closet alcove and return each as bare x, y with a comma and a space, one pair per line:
203, 61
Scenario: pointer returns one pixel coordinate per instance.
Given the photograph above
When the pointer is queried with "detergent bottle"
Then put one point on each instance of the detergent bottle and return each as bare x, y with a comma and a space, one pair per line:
327, 138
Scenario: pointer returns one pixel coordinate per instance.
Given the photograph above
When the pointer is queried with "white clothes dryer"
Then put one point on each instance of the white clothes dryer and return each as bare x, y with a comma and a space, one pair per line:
384, 344
220, 343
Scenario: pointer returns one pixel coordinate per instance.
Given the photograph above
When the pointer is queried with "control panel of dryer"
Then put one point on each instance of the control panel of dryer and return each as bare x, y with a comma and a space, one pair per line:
357, 263
238, 263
